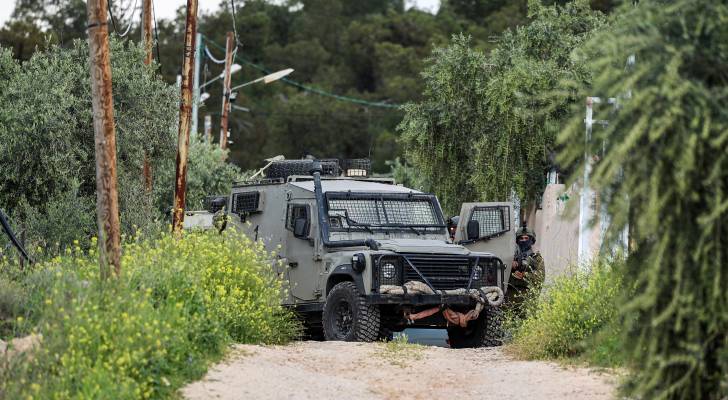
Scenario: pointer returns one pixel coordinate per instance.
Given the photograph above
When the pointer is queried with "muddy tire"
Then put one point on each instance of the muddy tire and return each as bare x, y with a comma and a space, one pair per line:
347, 317
486, 331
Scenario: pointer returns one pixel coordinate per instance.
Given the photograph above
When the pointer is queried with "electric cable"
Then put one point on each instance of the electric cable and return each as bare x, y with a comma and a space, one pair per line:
212, 58
156, 34
235, 23
111, 13
131, 20
309, 88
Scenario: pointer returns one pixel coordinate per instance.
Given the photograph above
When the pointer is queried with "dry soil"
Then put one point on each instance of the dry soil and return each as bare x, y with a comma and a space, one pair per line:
339, 370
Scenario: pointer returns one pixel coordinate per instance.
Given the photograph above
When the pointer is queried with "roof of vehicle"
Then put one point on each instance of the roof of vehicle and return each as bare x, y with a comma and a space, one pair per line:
346, 185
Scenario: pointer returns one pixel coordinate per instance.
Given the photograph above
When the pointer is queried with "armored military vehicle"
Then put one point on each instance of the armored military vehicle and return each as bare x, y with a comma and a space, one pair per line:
363, 257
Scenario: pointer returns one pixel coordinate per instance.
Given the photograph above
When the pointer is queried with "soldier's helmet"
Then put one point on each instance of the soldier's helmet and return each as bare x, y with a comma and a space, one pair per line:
525, 231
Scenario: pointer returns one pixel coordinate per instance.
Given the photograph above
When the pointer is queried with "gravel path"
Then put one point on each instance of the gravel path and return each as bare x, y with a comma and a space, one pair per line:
339, 370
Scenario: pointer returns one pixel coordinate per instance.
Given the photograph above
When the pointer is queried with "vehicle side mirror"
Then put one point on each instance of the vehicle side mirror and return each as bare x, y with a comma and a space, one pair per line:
473, 230
300, 228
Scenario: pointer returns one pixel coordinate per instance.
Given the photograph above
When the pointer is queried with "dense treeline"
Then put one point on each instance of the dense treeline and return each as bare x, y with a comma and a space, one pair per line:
47, 168
370, 50
484, 129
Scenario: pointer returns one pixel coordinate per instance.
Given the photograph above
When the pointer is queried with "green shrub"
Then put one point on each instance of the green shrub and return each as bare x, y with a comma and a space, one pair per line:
177, 305
12, 306
563, 322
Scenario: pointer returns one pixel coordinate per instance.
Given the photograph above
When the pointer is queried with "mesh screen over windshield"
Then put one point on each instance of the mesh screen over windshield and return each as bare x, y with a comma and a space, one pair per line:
493, 220
385, 211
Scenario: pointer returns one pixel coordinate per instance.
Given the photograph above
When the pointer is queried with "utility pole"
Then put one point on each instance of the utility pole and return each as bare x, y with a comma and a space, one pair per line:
185, 110
226, 91
148, 45
107, 199
196, 83
147, 30
208, 129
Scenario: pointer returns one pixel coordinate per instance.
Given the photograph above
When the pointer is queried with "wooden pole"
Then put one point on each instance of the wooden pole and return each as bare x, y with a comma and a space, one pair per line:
107, 200
147, 30
148, 46
185, 116
226, 90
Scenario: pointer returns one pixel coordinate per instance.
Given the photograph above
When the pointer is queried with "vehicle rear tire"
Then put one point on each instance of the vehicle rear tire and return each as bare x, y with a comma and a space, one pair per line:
347, 316
486, 331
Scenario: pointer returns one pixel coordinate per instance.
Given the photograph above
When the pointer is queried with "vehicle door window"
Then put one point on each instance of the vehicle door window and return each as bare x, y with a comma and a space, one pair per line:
294, 212
492, 220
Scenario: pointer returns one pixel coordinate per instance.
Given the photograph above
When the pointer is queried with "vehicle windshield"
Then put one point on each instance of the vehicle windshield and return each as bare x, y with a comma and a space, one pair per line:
418, 213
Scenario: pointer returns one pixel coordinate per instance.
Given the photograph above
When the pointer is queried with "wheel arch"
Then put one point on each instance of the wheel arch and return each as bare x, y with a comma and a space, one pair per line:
344, 273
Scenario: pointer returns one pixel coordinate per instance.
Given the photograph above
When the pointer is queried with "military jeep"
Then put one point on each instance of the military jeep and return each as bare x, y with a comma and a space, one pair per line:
363, 257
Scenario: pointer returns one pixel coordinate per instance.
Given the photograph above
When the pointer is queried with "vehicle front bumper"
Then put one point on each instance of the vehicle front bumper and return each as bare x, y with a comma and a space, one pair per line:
420, 299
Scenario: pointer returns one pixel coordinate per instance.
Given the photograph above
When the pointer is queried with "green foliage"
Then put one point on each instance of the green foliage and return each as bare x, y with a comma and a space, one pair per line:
47, 146
174, 309
371, 50
207, 174
406, 175
367, 50
573, 311
12, 306
484, 130
664, 172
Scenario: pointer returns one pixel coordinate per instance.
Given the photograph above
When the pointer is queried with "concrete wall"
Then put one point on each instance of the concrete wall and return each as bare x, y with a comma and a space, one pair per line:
556, 226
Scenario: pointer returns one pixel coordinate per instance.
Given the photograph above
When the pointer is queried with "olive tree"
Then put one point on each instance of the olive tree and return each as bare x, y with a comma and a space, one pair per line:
664, 172
484, 130
47, 168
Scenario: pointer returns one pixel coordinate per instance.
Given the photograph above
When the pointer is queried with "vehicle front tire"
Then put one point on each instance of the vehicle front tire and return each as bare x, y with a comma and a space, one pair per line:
347, 317
486, 331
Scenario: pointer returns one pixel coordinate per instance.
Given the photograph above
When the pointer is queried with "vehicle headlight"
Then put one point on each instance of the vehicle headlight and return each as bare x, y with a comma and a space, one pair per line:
388, 271
477, 273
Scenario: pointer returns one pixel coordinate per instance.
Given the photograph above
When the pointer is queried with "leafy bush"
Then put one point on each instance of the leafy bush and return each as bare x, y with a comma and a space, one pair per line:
663, 174
483, 130
177, 304
575, 308
47, 183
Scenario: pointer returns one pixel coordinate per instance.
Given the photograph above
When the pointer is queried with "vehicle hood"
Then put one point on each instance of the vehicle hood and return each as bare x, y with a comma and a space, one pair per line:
430, 246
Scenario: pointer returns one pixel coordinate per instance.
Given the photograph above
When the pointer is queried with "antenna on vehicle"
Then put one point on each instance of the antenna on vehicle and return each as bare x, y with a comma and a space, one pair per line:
270, 161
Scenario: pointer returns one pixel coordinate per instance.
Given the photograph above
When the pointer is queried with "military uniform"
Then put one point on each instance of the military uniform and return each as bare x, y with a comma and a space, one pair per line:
527, 275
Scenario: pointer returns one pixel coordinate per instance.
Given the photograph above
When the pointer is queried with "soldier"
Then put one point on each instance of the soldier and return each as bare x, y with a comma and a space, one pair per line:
527, 271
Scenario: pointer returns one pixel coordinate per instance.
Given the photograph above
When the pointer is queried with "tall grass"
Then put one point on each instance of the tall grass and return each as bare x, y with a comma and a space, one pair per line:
576, 316
177, 305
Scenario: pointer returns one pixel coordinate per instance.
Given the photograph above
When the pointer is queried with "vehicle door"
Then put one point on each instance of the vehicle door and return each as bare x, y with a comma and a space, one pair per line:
303, 269
494, 232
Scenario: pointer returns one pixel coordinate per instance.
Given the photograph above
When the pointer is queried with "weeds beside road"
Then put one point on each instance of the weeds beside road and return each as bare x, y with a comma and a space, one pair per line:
175, 309
575, 318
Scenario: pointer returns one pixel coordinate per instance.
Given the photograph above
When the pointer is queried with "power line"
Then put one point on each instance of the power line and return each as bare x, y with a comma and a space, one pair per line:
235, 23
131, 20
212, 58
309, 88
156, 34
113, 21
111, 13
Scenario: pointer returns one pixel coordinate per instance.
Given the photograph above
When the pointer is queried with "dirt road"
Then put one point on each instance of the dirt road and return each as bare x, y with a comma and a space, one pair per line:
338, 370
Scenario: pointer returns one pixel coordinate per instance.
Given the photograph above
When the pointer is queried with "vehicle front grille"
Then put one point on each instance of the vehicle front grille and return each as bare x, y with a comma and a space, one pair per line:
444, 272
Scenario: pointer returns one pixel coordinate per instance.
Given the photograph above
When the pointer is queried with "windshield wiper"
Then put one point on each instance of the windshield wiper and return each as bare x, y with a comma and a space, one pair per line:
414, 230
365, 226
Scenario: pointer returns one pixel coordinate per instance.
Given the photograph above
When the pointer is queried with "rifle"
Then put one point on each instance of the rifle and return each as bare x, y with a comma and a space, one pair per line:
523, 262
